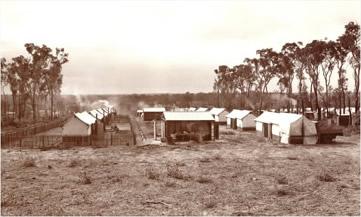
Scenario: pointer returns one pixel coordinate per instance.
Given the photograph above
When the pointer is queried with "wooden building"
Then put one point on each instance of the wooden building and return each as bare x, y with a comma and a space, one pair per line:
150, 114
180, 126
78, 129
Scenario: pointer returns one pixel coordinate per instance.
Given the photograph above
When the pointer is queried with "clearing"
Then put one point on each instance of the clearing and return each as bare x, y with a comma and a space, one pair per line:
240, 174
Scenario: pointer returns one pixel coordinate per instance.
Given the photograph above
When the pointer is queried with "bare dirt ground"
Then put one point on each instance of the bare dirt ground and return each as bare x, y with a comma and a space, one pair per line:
240, 174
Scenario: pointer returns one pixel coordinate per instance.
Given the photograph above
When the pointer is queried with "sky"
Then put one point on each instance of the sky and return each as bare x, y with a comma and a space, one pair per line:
121, 47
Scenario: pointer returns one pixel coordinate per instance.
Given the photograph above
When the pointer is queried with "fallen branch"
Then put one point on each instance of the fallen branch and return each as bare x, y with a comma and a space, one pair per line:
156, 202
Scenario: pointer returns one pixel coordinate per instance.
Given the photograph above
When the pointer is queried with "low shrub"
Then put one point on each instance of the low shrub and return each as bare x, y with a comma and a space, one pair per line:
210, 204
152, 174
85, 179
325, 177
29, 162
74, 163
205, 160
282, 180
204, 180
174, 172
170, 184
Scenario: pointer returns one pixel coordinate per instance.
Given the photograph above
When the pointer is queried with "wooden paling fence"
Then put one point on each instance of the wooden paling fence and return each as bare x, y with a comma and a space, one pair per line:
33, 142
57, 141
19, 134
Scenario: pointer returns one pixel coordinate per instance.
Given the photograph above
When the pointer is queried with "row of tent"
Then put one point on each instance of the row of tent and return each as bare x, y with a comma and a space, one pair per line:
87, 123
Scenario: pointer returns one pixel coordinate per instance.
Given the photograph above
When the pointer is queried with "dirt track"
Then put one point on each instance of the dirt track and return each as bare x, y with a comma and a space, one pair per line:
241, 174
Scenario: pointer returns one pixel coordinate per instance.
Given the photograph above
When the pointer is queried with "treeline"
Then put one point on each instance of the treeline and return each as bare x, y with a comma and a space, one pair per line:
32, 78
306, 64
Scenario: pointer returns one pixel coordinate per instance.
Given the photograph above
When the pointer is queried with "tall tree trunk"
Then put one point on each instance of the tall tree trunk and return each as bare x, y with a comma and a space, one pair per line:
357, 89
14, 102
316, 103
349, 110
51, 105
34, 103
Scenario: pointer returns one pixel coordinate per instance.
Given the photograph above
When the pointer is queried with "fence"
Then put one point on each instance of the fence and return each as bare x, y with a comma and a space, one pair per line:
46, 142
33, 142
18, 134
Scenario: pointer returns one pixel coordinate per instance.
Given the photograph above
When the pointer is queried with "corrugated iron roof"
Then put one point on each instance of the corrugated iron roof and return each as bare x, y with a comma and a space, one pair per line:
95, 113
85, 117
188, 116
239, 114
153, 109
216, 111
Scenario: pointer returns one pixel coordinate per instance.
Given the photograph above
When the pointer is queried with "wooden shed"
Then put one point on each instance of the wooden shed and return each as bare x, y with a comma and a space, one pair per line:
220, 115
343, 118
241, 119
183, 125
150, 114
78, 129
286, 128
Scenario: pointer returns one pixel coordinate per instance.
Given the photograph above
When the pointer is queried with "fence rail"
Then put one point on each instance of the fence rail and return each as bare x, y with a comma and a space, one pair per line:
18, 134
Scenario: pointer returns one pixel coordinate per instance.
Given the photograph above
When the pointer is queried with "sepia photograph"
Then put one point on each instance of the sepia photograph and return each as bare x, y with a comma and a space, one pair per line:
180, 108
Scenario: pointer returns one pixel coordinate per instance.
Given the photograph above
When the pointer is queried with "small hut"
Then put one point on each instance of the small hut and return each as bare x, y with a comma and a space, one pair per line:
220, 115
150, 114
241, 119
286, 128
78, 129
182, 126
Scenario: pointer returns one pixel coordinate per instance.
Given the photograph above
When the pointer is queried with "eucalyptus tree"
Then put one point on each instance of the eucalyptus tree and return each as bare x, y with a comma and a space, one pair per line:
315, 57
269, 67
329, 52
341, 59
40, 58
4, 84
54, 77
352, 42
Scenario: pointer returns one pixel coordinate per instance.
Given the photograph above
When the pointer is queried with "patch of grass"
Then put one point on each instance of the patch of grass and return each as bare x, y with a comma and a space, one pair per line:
282, 180
74, 163
292, 158
29, 162
204, 180
170, 184
151, 173
326, 177
229, 132
174, 172
85, 179
282, 192
8, 200
205, 160
210, 204
180, 164
218, 157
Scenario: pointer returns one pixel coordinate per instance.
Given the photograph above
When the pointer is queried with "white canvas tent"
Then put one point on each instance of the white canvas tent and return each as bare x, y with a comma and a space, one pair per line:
242, 119
287, 127
192, 109
202, 109
220, 114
